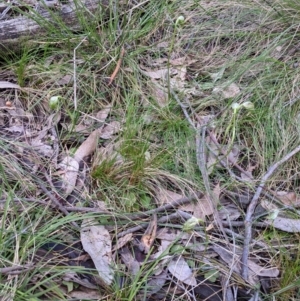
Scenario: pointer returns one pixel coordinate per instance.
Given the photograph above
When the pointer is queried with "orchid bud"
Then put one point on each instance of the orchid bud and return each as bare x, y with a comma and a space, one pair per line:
248, 105
190, 224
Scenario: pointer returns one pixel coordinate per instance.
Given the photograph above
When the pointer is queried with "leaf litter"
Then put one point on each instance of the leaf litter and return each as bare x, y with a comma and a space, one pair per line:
166, 255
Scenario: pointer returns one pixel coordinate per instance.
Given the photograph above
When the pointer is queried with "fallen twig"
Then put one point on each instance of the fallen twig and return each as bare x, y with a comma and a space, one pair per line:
161, 220
114, 74
8, 270
56, 202
252, 206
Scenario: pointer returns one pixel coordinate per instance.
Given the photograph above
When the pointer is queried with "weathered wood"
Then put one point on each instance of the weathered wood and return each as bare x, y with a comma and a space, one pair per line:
33, 24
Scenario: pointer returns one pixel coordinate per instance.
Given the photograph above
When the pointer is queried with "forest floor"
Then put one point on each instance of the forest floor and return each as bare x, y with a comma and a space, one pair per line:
153, 154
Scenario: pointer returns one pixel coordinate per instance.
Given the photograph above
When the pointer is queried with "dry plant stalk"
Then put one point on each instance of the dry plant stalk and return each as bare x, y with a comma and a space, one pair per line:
114, 74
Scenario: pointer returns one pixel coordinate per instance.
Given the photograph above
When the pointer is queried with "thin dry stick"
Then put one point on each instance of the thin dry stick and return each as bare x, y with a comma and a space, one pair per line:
168, 206
114, 74
74, 72
252, 206
7, 270
200, 141
161, 220
56, 202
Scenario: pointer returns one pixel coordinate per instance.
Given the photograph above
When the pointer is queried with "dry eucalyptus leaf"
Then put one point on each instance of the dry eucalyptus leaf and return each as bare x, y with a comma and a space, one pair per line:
102, 115
179, 268
171, 235
254, 269
288, 198
149, 236
73, 277
110, 129
122, 241
70, 168
86, 295
285, 224
158, 74
96, 241
160, 95
249, 170
8, 85
88, 146
154, 285
131, 263
166, 196
65, 80
230, 212
230, 91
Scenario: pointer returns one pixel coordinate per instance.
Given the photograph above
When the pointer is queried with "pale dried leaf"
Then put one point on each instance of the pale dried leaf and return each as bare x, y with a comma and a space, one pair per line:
110, 129
184, 60
263, 271
88, 295
180, 270
42, 148
102, 114
122, 241
249, 170
8, 85
218, 75
233, 155
131, 263
87, 147
228, 92
285, 224
172, 235
288, 198
160, 95
158, 74
166, 196
96, 241
154, 285
73, 277
195, 247
230, 212
269, 206
203, 208
65, 80
70, 168
254, 269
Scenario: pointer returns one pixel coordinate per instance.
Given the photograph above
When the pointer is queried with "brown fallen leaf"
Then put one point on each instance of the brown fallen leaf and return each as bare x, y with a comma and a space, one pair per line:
149, 236
110, 129
154, 285
87, 147
229, 91
122, 241
96, 241
179, 268
69, 171
288, 198
102, 114
131, 263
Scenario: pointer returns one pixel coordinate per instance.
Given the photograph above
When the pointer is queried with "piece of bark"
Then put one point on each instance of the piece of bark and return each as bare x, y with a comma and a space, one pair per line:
32, 24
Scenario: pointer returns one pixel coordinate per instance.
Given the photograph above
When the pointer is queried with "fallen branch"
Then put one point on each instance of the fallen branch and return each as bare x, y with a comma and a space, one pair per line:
252, 206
